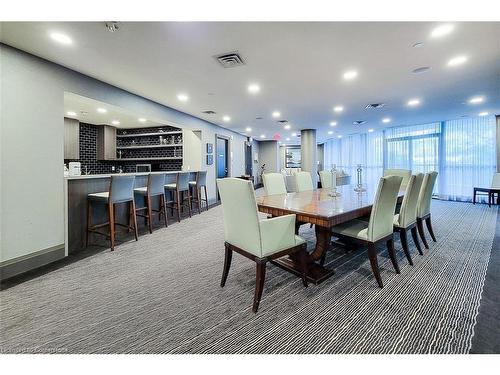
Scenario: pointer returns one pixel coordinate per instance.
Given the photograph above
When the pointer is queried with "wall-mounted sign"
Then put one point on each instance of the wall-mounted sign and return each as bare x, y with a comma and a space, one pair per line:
210, 159
210, 148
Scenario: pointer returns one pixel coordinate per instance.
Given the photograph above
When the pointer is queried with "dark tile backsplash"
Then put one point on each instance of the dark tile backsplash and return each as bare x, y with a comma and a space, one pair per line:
88, 152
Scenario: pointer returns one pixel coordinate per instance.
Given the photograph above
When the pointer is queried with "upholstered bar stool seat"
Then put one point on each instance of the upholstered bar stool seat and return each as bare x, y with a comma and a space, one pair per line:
103, 197
171, 186
141, 190
154, 188
178, 189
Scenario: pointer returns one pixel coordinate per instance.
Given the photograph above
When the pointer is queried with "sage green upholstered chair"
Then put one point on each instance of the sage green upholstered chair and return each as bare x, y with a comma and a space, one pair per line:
303, 182
407, 217
326, 178
258, 240
424, 206
274, 183
380, 226
405, 173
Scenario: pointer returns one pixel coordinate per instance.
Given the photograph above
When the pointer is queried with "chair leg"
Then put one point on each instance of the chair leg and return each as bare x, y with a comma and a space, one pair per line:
303, 264
429, 228
420, 228
178, 206
198, 197
404, 244
259, 283
474, 197
111, 213
89, 222
163, 208
372, 254
150, 214
134, 219
227, 265
392, 254
206, 197
415, 239
189, 202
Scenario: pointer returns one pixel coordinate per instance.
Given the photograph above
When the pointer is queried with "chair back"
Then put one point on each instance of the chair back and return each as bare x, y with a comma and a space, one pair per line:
495, 181
405, 173
121, 189
183, 181
382, 216
408, 212
303, 182
274, 183
326, 179
425, 196
239, 209
201, 178
156, 183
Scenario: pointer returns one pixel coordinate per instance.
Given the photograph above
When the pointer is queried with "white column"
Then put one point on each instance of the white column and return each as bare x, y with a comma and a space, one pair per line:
308, 152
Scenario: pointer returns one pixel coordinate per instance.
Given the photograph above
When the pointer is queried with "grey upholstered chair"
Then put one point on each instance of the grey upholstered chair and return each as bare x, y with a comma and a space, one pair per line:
380, 226
258, 240
424, 206
407, 217
199, 183
404, 173
303, 182
326, 178
154, 188
274, 183
121, 190
178, 189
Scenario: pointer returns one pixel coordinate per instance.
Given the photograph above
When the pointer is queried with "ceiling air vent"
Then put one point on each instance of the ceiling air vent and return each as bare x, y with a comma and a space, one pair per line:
209, 112
375, 106
282, 121
230, 60
258, 118
359, 122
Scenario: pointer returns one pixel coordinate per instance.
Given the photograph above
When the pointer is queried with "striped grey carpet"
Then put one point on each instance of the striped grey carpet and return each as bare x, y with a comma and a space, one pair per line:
162, 295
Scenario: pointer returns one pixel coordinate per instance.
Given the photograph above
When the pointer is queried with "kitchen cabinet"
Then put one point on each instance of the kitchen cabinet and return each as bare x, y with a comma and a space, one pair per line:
106, 142
71, 139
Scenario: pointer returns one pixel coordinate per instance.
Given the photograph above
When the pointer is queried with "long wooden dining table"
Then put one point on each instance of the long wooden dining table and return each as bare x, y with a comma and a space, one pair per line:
324, 211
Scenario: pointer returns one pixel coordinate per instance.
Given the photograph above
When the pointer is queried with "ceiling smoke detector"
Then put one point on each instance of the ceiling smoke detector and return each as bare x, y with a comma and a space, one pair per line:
375, 106
209, 112
112, 26
359, 122
230, 59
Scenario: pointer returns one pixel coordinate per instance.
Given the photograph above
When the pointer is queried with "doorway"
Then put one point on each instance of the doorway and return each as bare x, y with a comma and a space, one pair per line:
222, 165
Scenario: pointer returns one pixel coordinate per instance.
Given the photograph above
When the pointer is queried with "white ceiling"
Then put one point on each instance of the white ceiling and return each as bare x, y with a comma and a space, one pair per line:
299, 67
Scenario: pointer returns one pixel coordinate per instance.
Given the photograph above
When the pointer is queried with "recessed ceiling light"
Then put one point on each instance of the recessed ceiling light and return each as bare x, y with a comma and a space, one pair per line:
248, 129
442, 30
294, 134
476, 99
483, 114
287, 127
458, 60
71, 113
263, 136
102, 110
288, 139
413, 102
350, 74
115, 122
142, 120
276, 114
330, 132
226, 118
333, 123
182, 97
339, 136
61, 38
386, 120
253, 88
338, 108
371, 130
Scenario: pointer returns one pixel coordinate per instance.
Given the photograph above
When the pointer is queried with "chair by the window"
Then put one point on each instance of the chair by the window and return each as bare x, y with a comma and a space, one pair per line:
380, 226
326, 178
303, 182
490, 192
404, 173
274, 183
424, 207
406, 219
258, 240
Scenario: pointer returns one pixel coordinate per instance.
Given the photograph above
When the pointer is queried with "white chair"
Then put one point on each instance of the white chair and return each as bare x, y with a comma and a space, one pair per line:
380, 226
424, 206
407, 217
404, 173
258, 240
490, 192
274, 183
326, 178
303, 182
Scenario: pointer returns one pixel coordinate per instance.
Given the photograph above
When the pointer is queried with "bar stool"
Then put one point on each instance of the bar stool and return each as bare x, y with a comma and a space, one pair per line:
181, 185
153, 189
121, 190
201, 181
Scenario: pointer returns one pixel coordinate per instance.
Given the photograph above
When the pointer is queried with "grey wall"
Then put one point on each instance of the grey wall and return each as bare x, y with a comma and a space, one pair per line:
268, 155
321, 157
31, 143
498, 143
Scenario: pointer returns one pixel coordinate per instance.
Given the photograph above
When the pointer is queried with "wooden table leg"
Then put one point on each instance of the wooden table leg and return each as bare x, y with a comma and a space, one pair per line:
323, 239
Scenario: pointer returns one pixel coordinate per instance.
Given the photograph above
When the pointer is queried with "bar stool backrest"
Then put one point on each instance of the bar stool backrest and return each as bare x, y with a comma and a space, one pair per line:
156, 183
201, 178
121, 189
183, 181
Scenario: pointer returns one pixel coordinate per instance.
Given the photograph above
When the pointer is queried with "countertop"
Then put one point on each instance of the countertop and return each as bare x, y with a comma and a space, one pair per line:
91, 176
